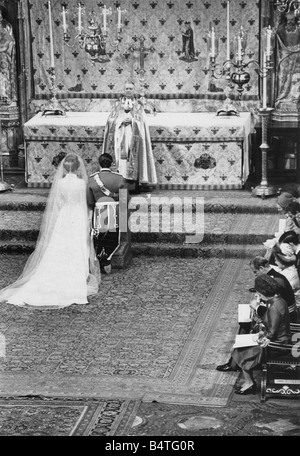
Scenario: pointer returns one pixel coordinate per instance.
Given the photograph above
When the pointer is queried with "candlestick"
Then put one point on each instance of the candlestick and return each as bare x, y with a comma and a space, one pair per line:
213, 42
64, 20
79, 19
119, 18
239, 48
51, 36
269, 33
264, 189
104, 19
264, 90
228, 33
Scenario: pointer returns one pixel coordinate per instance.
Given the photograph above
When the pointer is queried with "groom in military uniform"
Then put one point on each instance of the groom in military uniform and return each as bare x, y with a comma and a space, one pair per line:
104, 187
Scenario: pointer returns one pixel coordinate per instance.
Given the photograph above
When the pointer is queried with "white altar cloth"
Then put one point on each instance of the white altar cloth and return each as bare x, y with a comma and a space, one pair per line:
178, 140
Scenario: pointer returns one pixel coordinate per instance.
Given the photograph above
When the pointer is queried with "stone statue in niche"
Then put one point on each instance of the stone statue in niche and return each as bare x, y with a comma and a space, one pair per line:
188, 48
8, 72
287, 95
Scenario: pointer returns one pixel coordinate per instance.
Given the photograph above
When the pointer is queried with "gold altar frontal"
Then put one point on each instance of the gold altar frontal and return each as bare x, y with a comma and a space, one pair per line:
192, 150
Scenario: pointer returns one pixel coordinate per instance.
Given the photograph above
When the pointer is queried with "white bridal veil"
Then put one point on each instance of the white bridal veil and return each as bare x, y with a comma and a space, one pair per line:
49, 219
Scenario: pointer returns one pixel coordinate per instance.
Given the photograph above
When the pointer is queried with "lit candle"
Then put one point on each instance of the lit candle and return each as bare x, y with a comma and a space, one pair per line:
228, 33
269, 33
79, 18
119, 18
51, 36
264, 90
104, 19
213, 42
64, 20
239, 48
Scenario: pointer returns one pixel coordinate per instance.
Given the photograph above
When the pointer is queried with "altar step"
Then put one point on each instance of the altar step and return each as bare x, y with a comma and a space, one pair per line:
157, 249
225, 234
198, 251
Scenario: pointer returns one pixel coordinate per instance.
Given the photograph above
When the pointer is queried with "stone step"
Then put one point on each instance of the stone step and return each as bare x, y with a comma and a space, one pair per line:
225, 235
198, 250
216, 228
216, 201
234, 223
155, 204
156, 249
17, 246
182, 202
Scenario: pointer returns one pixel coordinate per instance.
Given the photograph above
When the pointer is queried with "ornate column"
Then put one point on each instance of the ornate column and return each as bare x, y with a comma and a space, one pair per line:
264, 189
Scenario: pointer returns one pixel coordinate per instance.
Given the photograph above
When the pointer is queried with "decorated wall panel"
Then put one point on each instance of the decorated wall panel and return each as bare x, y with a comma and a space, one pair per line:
171, 70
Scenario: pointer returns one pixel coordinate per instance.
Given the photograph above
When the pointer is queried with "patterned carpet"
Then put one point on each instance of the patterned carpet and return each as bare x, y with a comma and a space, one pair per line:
140, 359
154, 332
65, 417
152, 336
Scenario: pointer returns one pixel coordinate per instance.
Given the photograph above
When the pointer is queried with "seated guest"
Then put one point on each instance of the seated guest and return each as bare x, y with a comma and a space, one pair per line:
292, 214
260, 265
288, 204
290, 239
284, 200
276, 321
285, 265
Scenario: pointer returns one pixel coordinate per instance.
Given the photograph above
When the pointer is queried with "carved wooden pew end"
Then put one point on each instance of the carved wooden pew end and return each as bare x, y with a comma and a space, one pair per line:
281, 371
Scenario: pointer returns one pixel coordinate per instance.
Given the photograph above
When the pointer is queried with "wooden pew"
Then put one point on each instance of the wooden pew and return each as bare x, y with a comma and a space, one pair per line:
281, 374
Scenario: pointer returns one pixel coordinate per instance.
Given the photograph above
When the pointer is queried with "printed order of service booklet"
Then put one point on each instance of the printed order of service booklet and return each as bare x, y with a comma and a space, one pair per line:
245, 340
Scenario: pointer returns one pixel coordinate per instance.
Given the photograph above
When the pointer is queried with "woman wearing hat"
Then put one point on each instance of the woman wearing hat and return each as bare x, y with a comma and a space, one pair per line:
275, 328
292, 214
284, 200
287, 203
285, 264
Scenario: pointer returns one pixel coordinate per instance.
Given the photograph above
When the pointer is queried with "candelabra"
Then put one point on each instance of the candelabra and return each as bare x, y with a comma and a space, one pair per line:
53, 107
234, 69
264, 189
286, 6
93, 38
228, 108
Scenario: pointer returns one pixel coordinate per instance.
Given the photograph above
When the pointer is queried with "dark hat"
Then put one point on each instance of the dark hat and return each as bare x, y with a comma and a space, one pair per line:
284, 259
266, 285
289, 236
284, 199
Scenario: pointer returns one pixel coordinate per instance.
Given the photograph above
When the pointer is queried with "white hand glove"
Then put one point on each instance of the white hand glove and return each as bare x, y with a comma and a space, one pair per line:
264, 342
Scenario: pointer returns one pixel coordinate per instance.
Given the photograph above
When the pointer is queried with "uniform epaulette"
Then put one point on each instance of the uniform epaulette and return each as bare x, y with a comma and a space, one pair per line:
94, 174
116, 172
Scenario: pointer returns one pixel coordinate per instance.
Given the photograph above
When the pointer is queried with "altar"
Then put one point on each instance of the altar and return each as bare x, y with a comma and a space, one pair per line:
192, 150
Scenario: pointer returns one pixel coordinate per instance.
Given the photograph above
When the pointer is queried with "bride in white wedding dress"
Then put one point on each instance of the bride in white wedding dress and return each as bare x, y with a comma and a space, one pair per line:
63, 269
